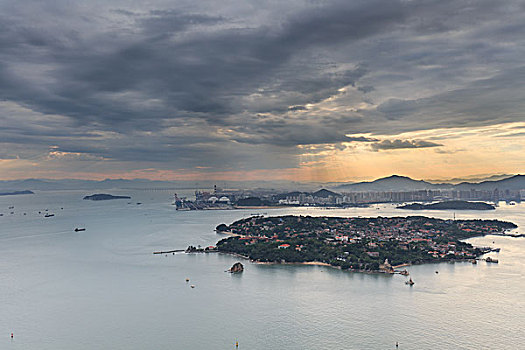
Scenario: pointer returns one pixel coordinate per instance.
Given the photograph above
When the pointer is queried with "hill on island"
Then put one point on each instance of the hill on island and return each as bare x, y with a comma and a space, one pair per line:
449, 205
15, 193
104, 197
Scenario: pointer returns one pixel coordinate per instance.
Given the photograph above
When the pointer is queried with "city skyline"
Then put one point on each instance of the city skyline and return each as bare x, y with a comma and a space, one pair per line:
327, 91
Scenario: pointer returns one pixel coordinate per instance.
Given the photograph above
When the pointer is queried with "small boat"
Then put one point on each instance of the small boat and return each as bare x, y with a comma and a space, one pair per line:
78, 229
49, 215
410, 282
437, 271
192, 286
491, 260
187, 279
404, 273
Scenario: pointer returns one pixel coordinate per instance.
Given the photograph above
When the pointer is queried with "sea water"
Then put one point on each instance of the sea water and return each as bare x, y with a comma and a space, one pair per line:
104, 289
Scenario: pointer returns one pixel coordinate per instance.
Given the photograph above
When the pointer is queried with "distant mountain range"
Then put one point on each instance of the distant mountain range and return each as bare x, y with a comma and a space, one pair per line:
391, 183
403, 183
76, 184
473, 178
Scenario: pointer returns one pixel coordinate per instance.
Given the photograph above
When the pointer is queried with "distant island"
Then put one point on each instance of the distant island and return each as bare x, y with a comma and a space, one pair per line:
448, 205
14, 193
357, 244
104, 197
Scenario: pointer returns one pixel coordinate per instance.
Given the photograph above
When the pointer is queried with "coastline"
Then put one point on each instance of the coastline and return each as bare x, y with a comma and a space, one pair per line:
313, 263
319, 263
229, 233
262, 207
305, 263
401, 265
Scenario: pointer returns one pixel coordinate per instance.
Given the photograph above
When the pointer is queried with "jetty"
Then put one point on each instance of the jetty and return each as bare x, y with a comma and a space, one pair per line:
170, 251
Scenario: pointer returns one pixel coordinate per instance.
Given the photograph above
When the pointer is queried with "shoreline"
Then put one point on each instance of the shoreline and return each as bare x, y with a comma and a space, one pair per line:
320, 263
305, 263
311, 263
401, 265
261, 207
229, 233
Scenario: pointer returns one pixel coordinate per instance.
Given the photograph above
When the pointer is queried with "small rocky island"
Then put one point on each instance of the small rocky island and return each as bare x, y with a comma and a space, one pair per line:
15, 193
449, 205
236, 268
104, 197
358, 244
221, 228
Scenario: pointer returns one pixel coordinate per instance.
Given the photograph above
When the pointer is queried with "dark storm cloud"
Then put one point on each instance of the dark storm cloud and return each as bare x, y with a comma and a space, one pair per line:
402, 144
202, 72
265, 79
166, 22
499, 99
297, 108
361, 139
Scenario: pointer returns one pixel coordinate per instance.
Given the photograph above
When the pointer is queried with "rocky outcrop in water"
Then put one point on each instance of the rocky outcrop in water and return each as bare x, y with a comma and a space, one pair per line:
222, 228
237, 267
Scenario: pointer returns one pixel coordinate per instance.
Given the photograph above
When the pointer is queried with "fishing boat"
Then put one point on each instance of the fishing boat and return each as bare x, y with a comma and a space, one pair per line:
410, 282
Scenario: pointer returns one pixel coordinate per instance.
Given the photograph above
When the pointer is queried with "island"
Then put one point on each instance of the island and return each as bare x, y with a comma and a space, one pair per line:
104, 197
360, 244
236, 268
15, 193
449, 205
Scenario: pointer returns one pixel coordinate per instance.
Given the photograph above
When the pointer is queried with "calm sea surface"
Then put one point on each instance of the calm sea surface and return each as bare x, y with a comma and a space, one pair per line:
104, 289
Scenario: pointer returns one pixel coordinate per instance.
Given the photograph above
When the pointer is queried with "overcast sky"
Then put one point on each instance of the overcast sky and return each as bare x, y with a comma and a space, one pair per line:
238, 89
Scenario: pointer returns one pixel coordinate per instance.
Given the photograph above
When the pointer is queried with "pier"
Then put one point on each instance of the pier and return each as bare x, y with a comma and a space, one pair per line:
170, 251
